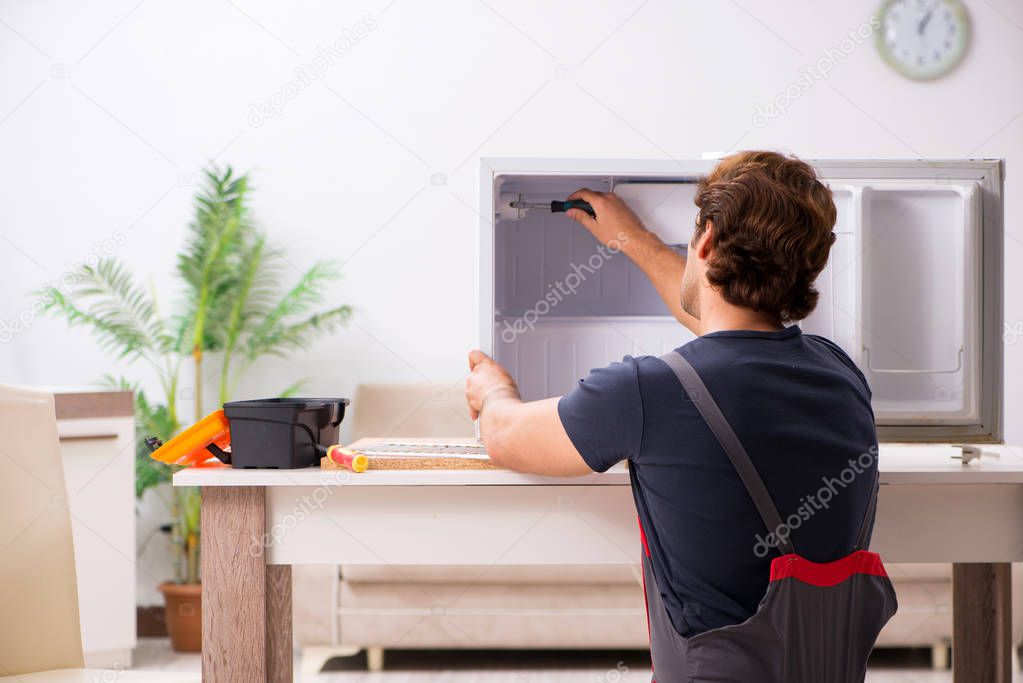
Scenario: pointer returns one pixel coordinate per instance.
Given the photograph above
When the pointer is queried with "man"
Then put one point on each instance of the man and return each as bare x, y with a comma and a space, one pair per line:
796, 402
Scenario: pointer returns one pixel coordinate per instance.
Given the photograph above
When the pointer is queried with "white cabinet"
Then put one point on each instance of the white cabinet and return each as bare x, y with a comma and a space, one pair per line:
912, 290
97, 444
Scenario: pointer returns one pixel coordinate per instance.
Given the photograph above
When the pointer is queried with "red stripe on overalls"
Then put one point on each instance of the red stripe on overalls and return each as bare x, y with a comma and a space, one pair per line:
642, 537
646, 603
793, 566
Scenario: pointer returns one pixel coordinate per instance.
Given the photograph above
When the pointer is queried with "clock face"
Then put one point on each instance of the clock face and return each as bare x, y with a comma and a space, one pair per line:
923, 39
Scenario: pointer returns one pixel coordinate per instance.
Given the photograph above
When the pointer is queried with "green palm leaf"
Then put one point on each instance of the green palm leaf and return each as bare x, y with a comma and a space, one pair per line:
120, 314
150, 420
280, 331
212, 261
298, 335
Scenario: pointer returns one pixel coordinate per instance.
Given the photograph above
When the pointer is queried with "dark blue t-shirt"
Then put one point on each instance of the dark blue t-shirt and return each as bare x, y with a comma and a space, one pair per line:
802, 410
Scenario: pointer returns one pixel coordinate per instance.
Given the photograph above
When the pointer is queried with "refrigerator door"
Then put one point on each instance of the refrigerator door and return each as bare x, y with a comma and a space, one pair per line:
912, 290
923, 321
921, 301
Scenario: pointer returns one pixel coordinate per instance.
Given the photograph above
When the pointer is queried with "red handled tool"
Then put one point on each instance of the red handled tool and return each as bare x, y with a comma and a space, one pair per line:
348, 458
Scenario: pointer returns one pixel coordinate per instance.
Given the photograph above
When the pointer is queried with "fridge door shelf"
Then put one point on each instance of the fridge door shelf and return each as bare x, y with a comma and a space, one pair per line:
912, 371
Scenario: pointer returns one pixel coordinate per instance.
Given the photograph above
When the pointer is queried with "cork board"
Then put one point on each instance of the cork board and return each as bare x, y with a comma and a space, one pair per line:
419, 454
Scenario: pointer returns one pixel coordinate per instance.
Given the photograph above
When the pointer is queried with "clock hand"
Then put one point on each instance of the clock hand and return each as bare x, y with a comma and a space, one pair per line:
923, 22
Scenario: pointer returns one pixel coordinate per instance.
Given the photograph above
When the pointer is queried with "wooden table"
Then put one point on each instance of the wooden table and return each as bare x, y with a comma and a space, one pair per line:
257, 523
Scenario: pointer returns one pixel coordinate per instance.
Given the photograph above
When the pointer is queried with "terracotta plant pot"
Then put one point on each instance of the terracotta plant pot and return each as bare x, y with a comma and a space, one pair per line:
184, 615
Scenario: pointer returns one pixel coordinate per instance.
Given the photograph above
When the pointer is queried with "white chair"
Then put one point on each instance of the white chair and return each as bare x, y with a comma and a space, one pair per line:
40, 638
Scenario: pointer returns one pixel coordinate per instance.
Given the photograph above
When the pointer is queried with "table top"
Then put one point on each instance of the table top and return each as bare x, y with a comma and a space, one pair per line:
899, 464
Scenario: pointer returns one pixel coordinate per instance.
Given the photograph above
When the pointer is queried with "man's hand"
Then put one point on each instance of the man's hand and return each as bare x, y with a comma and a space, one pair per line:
615, 222
525, 437
487, 381
619, 228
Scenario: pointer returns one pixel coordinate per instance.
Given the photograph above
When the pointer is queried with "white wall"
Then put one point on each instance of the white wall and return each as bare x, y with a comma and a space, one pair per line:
105, 110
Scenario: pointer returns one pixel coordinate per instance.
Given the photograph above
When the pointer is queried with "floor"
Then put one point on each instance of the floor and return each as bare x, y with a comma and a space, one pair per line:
528, 667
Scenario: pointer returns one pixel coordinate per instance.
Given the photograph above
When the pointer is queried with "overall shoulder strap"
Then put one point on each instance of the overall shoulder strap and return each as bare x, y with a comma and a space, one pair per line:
712, 415
867, 525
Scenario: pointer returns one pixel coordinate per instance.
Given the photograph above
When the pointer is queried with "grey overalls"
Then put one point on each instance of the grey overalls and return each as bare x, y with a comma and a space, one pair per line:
817, 623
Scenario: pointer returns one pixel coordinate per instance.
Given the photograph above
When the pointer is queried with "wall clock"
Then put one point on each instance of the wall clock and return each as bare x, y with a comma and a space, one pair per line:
923, 39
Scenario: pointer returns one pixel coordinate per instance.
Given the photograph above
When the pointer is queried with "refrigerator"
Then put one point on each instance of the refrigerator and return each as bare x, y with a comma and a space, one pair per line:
912, 291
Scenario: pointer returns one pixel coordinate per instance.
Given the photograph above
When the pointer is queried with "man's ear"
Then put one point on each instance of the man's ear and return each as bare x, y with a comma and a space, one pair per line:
703, 245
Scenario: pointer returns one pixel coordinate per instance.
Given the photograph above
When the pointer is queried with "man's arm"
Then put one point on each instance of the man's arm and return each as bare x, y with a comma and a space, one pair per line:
525, 437
617, 226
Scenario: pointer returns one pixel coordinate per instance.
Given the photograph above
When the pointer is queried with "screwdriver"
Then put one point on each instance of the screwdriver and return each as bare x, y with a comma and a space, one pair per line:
556, 206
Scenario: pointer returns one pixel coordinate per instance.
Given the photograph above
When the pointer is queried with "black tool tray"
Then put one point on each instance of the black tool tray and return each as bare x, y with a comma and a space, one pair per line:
283, 433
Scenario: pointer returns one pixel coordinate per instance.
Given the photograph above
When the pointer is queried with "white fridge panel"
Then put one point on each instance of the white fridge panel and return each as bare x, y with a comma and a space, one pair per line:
548, 264
835, 317
549, 356
847, 204
665, 208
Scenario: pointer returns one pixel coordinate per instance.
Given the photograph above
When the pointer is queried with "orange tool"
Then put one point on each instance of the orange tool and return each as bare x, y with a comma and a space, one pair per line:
207, 443
351, 459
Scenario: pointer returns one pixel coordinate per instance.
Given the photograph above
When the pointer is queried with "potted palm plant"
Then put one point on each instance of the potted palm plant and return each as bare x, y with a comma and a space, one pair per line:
232, 308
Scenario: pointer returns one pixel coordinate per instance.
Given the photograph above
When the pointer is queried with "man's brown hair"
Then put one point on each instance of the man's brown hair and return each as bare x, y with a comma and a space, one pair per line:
772, 232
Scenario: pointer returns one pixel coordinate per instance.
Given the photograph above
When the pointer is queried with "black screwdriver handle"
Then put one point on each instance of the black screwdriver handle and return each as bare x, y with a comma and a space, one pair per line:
562, 207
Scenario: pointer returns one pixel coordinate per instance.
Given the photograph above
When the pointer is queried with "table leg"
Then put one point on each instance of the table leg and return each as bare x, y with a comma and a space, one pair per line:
982, 630
236, 616
280, 642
